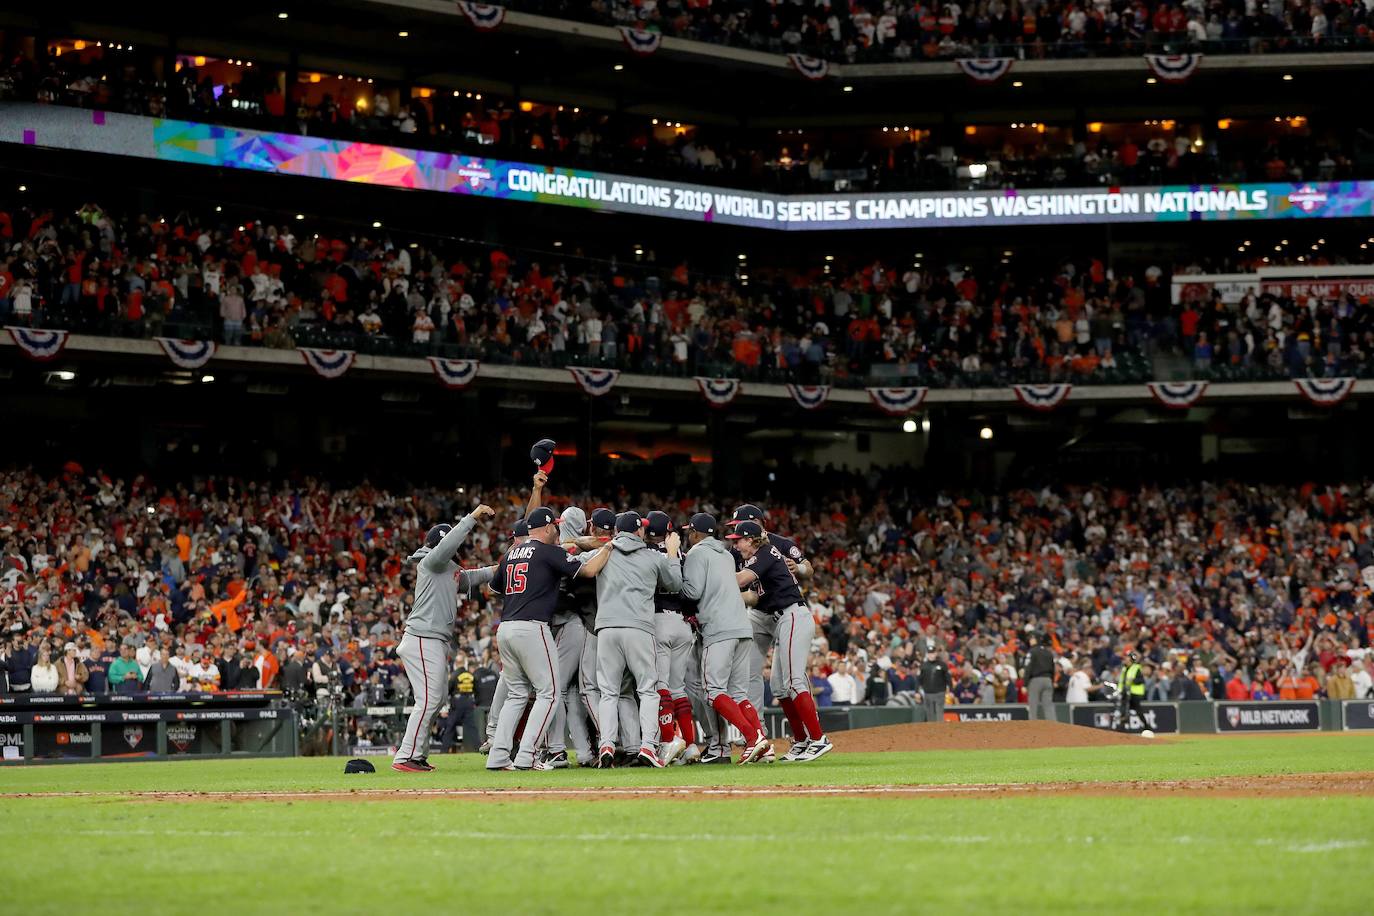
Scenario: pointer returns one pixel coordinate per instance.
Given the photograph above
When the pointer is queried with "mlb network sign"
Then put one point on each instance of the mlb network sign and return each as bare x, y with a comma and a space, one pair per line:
1280, 716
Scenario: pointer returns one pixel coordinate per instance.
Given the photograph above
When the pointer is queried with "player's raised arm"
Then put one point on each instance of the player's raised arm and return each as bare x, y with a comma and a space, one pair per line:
536, 492
448, 545
592, 567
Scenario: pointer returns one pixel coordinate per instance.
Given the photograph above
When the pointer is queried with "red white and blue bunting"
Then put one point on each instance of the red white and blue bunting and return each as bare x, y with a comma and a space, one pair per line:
485, 16
1325, 392
718, 392
985, 70
640, 41
1173, 68
1179, 395
809, 397
595, 382
37, 343
1042, 397
813, 68
187, 354
454, 373
897, 401
328, 363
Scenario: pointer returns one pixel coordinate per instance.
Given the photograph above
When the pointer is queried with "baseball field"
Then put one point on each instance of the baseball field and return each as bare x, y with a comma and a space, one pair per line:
1017, 818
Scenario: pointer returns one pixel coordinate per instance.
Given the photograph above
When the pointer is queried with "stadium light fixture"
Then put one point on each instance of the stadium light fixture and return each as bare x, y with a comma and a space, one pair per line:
403, 34
65, 375
908, 425
1288, 77
830, 257
925, 424
848, 88
23, 188
985, 433
743, 256
207, 379
300, 216
618, 67
283, 15
1150, 81
376, 224
977, 169
1017, 84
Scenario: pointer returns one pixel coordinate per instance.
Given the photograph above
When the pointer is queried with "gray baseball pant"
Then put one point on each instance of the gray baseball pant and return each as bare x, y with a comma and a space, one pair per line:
795, 630
498, 700
426, 660
569, 719
588, 691
934, 705
1040, 692
702, 710
529, 661
618, 650
765, 628
726, 665
673, 645
629, 713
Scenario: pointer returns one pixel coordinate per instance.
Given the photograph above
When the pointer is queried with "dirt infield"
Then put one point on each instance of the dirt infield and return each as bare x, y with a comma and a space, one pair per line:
1286, 786
976, 736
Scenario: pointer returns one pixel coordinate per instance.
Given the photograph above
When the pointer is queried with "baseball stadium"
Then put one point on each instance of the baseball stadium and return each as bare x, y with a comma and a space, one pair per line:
693, 456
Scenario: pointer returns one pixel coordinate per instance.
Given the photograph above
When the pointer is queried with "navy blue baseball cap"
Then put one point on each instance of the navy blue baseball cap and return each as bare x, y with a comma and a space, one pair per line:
521, 529
603, 519
629, 521
703, 522
436, 534
541, 517
746, 529
541, 453
659, 523
747, 512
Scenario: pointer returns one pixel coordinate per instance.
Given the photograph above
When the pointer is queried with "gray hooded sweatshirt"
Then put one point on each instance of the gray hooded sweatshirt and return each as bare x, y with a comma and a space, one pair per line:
438, 580
572, 524
625, 589
708, 578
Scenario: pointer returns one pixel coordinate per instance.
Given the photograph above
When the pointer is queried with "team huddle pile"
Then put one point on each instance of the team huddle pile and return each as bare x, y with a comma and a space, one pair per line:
612, 633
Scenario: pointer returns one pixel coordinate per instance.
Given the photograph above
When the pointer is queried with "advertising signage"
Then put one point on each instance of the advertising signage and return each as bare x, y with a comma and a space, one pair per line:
496, 179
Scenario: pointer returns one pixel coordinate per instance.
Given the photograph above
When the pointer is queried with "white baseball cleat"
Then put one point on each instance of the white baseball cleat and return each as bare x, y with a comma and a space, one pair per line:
797, 751
689, 756
818, 748
756, 750
670, 751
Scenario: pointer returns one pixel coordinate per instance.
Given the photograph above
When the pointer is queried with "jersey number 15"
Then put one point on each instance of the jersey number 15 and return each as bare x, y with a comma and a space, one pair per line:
515, 578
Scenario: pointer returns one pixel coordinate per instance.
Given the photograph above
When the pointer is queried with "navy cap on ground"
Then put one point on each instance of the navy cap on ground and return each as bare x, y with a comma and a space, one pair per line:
746, 529
629, 521
704, 522
541, 517
659, 523
603, 519
746, 512
521, 529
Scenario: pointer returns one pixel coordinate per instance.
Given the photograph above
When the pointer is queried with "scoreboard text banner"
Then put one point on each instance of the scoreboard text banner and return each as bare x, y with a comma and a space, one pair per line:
475, 176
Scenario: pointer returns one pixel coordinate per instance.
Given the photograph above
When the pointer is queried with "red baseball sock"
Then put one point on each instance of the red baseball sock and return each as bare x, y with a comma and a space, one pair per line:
794, 722
728, 708
806, 710
665, 716
752, 715
682, 711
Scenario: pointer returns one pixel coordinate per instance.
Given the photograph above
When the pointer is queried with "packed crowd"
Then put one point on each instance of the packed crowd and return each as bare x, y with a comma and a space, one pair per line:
888, 30
785, 162
1226, 590
259, 283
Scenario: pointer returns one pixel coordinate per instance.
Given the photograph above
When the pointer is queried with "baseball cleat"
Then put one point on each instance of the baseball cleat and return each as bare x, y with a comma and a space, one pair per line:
423, 763
606, 759
408, 766
690, 756
509, 766
647, 758
672, 749
715, 755
485, 747
557, 761
756, 750
819, 748
539, 766
768, 756
797, 751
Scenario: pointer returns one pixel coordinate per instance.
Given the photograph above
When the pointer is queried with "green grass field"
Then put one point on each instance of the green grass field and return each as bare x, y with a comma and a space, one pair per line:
699, 853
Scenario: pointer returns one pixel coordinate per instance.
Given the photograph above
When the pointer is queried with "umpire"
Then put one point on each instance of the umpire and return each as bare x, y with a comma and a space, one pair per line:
462, 710
935, 681
1040, 679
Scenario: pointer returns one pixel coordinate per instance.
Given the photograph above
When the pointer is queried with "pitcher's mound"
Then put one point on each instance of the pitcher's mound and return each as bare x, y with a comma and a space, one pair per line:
976, 736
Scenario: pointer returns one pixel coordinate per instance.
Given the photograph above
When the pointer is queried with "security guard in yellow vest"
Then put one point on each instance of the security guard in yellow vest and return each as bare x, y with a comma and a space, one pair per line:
1130, 692
462, 710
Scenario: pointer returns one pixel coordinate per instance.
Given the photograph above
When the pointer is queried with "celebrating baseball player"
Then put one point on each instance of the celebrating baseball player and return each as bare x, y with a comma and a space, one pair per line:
625, 631
709, 579
674, 642
426, 648
765, 567
528, 577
